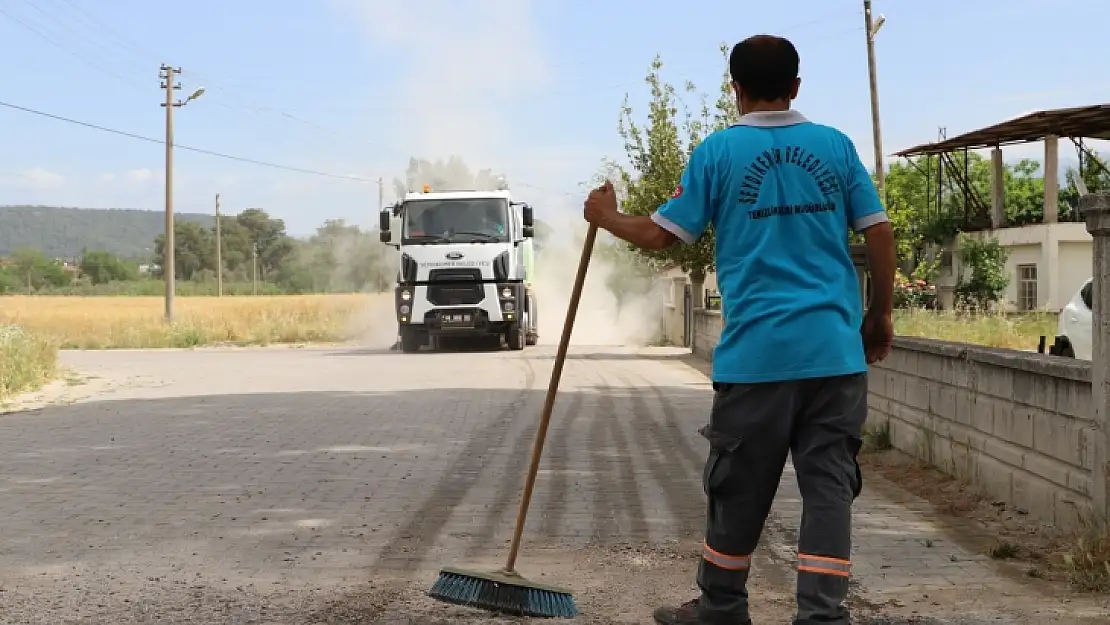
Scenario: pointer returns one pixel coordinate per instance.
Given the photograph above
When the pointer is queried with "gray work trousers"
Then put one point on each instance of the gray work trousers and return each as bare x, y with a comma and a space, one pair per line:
752, 428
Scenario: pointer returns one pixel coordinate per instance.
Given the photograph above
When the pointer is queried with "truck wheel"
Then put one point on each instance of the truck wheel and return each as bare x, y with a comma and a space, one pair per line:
411, 340
533, 335
530, 334
514, 336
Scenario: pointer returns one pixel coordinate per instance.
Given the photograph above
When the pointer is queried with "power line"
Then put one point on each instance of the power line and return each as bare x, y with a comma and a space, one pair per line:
230, 157
54, 42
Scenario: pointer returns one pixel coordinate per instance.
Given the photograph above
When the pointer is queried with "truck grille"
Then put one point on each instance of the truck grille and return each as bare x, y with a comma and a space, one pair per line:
455, 287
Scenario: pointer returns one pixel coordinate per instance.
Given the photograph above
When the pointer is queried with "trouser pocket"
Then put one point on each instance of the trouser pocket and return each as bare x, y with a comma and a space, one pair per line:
854, 445
719, 464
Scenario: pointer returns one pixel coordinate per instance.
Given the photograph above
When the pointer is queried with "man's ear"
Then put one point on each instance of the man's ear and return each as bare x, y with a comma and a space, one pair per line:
794, 89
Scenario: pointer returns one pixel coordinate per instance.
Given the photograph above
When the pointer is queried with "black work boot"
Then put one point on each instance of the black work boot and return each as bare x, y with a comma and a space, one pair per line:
690, 613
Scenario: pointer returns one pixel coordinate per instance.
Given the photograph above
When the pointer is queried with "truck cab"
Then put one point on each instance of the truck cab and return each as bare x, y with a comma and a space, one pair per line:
466, 262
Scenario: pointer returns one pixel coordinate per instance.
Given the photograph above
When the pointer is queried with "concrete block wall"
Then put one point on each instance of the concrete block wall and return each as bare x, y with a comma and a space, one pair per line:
706, 332
1017, 426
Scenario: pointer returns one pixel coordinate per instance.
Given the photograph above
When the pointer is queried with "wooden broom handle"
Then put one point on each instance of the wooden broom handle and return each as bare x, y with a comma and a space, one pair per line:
552, 390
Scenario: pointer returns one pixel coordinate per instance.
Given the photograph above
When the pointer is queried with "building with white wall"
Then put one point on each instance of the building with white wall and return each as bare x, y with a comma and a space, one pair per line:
1046, 264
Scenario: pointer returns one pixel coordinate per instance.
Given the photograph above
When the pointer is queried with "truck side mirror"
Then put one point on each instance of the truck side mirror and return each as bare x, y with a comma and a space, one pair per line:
384, 237
529, 232
526, 215
383, 222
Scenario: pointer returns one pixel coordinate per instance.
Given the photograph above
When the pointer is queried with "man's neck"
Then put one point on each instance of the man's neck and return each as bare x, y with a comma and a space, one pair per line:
776, 106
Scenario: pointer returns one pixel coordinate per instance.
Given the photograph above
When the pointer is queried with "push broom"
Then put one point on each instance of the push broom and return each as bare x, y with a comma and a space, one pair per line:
505, 590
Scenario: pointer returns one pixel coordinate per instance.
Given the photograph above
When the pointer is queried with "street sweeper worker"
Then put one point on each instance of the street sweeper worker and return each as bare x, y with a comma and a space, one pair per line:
790, 370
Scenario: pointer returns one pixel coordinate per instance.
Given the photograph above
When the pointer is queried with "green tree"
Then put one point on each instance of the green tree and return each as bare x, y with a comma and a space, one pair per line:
101, 267
195, 250
910, 187
1096, 177
986, 261
35, 271
268, 236
1024, 193
658, 150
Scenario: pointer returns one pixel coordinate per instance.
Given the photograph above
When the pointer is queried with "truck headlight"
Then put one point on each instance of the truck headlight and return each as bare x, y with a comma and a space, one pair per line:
507, 306
405, 309
506, 292
406, 295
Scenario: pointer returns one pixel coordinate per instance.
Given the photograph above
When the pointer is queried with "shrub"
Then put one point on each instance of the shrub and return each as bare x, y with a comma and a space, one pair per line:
26, 361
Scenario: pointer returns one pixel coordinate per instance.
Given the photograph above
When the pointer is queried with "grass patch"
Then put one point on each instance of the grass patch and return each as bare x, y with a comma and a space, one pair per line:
137, 322
877, 438
27, 361
1087, 562
1013, 331
1004, 550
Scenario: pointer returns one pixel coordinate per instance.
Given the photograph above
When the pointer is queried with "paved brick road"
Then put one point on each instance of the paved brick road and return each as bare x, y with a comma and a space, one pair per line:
329, 485
244, 471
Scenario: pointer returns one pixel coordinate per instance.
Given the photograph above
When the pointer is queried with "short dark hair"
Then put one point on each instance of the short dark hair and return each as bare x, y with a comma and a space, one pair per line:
765, 67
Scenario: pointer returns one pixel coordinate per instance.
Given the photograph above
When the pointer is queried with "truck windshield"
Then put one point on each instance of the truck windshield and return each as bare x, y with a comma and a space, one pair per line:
457, 220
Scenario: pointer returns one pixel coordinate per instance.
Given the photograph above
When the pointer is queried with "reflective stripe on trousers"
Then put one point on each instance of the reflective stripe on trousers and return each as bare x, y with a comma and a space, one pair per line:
726, 562
824, 565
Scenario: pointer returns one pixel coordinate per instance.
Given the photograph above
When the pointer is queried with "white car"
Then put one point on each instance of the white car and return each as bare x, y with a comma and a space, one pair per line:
1074, 334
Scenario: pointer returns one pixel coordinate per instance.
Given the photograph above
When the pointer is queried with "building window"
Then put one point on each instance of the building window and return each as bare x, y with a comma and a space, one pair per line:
1027, 287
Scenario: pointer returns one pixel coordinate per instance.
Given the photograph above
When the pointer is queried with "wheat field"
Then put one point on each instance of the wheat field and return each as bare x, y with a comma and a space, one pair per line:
138, 322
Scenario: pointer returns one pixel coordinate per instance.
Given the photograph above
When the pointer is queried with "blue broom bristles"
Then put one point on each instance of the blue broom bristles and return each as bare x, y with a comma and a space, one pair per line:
498, 596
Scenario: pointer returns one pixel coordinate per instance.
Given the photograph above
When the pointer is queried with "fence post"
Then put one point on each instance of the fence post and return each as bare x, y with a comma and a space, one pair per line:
859, 259
1096, 210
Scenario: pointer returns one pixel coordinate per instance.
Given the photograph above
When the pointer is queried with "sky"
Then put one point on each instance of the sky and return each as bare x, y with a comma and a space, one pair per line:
529, 88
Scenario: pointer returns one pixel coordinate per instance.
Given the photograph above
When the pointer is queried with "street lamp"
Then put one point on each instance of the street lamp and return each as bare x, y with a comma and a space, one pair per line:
169, 270
875, 28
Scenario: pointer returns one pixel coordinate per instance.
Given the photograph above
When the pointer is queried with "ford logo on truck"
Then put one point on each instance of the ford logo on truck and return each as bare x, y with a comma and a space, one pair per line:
454, 255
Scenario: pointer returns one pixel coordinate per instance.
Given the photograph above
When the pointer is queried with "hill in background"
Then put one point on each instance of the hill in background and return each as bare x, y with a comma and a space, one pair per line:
64, 232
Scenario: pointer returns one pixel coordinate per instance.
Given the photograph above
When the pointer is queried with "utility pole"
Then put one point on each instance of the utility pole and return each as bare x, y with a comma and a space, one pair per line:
872, 28
381, 194
168, 76
219, 253
254, 269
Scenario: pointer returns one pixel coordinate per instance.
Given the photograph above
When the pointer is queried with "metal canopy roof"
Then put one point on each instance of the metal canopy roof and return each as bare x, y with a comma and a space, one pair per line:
1087, 122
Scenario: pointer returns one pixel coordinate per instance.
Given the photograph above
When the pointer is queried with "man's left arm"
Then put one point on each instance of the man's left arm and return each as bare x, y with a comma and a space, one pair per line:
684, 217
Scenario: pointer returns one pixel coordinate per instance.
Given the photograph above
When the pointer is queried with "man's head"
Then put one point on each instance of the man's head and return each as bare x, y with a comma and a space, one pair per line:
764, 71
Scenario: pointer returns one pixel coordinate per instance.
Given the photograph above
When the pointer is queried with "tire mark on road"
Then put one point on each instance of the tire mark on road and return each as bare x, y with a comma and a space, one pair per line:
627, 487
604, 515
512, 476
683, 498
555, 503
415, 539
673, 427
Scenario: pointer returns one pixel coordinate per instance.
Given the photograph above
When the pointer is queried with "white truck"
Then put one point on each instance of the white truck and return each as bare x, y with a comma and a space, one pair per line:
466, 267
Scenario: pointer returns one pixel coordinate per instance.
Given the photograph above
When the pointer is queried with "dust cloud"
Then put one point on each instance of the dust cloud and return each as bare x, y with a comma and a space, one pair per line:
466, 78
632, 316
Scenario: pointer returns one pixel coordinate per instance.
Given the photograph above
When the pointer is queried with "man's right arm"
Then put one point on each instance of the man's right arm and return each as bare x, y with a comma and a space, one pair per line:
867, 215
882, 262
